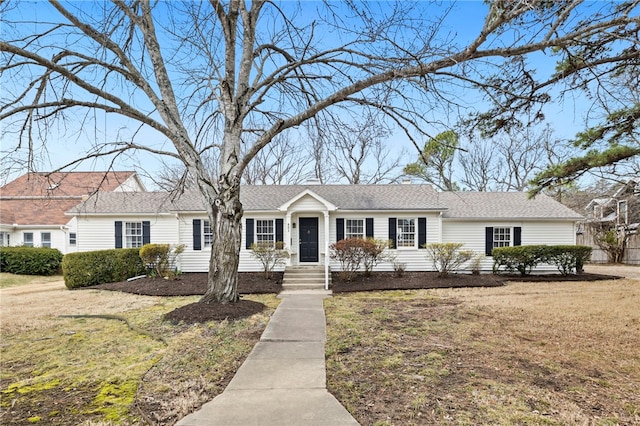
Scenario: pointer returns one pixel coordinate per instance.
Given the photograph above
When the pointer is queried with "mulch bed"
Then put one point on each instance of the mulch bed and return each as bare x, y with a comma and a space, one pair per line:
194, 284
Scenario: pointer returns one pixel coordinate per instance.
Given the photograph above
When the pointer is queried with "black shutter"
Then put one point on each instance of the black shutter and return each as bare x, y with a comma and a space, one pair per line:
279, 230
488, 240
369, 227
146, 232
118, 234
517, 236
249, 234
339, 229
392, 232
422, 232
197, 235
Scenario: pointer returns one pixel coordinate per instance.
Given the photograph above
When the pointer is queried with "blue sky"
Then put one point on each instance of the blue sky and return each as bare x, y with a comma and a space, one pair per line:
464, 21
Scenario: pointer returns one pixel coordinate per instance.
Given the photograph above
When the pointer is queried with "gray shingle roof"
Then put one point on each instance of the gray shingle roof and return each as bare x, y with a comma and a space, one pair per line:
503, 205
468, 205
345, 197
126, 203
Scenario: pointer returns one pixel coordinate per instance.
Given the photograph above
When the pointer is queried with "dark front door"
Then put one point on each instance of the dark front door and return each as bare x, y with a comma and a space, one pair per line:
308, 239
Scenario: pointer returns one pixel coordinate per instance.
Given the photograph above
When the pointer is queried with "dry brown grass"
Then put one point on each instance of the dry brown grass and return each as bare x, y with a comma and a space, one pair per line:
544, 353
61, 370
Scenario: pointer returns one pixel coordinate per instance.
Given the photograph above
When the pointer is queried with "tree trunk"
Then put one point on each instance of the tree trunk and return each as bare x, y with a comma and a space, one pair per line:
226, 226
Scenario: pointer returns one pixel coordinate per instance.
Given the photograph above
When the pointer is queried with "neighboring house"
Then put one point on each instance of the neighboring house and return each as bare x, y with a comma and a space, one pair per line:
620, 211
33, 206
309, 218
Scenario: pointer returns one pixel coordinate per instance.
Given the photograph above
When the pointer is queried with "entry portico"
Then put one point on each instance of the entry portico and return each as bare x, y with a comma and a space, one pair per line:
306, 218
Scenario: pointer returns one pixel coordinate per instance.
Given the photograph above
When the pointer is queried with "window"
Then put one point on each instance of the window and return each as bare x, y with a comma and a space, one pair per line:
27, 239
45, 239
133, 234
5, 239
354, 228
623, 215
72, 238
406, 233
265, 232
207, 233
501, 237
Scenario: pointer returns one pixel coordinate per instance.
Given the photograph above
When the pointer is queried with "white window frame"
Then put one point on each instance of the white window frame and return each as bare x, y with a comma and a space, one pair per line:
265, 231
207, 234
5, 239
502, 236
623, 212
406, 233
133, 234
45, 242
73, 238
354, 228
24, 239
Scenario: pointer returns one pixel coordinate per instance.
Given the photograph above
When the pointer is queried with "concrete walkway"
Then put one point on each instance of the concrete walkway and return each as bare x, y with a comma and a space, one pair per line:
283, 380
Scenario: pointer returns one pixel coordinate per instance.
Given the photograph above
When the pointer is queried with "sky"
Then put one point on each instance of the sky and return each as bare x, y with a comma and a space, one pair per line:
61, 147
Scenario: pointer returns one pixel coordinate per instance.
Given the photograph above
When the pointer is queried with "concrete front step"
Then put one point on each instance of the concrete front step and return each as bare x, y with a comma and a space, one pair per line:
303, 278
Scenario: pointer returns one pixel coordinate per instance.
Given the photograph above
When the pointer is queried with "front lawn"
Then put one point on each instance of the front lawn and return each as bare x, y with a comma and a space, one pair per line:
524, 353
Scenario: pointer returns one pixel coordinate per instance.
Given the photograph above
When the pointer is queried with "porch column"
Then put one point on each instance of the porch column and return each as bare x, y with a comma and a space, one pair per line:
287, 235
326, 250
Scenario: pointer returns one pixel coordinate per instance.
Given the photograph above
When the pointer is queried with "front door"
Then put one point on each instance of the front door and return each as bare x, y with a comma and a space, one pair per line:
308, 239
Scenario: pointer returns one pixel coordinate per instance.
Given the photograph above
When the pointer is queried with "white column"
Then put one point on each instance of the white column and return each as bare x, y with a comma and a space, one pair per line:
287, 235
326, 250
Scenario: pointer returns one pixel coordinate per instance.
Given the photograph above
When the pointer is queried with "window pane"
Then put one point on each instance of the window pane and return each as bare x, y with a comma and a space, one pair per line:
133, 234
354, 228
406, 233
72, 238
501, 237
208, 235
27, 239
265, 231
45, 239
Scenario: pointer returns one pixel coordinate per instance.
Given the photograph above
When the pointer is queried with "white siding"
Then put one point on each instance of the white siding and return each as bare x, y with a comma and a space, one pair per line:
472, 234
414, 258
198, 260
98, 232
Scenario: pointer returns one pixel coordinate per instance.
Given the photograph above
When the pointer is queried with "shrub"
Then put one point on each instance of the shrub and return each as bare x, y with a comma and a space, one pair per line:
269, 255
161, 258
398, 267
517, 258
447, 257
374, 252
30, 260
568, 258
98, 267
524, 258
352, 253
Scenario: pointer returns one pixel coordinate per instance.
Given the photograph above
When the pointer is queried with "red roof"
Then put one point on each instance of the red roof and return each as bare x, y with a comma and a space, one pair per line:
64, 184
43, 198
36, 211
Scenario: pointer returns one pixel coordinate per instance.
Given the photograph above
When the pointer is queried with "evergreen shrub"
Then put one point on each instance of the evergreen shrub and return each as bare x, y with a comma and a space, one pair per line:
30, 260
84, 269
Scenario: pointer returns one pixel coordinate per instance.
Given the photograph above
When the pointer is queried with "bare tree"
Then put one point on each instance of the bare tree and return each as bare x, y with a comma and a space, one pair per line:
205, 75
282, 161
508, 162
356, 151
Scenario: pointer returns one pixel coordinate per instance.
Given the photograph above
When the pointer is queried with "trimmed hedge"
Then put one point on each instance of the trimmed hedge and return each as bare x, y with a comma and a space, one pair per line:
30, 260
524, 258
84, 269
